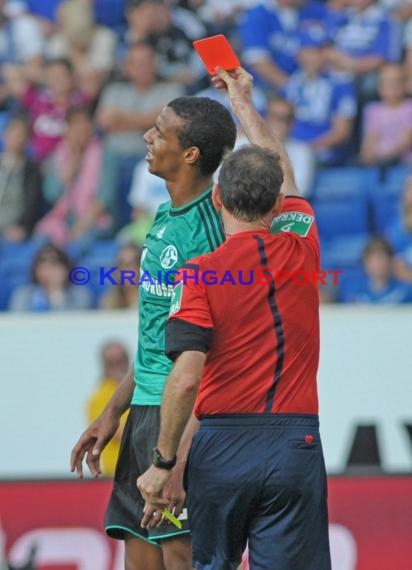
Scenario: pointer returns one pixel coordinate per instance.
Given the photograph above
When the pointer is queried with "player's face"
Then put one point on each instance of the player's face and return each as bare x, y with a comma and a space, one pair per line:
165, 155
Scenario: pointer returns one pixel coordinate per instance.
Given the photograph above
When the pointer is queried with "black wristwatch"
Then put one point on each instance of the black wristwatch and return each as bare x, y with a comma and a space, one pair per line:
159, 461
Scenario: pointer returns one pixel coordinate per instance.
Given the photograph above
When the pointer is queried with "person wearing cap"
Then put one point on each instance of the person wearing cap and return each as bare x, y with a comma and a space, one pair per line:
325, 103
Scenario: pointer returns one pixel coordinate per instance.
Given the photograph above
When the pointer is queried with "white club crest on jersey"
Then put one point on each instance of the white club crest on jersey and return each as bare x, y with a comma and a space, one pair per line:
168, 257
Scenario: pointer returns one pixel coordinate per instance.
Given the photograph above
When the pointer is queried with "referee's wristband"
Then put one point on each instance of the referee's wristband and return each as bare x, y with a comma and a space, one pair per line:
159, 461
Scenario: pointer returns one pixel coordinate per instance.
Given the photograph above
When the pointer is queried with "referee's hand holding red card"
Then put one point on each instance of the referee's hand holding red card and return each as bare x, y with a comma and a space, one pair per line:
238, 83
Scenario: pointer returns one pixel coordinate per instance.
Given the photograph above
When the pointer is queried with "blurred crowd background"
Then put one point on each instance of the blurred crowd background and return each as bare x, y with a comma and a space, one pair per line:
82, 80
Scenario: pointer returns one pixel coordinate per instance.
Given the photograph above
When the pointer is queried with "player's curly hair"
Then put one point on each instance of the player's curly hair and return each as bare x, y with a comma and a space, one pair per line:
250, 180
207, 125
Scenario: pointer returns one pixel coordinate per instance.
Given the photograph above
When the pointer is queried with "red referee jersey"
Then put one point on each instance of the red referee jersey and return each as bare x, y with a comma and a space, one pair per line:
264, 350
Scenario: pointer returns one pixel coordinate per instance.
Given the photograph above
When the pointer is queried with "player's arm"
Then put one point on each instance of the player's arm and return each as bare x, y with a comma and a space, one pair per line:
178, 401
189, 334
173, 490
239, 85
95, 438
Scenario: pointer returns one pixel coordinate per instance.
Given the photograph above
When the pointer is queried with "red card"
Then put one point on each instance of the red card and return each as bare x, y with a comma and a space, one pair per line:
216, 51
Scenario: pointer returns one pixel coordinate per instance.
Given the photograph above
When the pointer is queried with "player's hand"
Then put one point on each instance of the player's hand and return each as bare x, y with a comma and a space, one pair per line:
91, 444
173, 491
238, 84
152, 516
151, 485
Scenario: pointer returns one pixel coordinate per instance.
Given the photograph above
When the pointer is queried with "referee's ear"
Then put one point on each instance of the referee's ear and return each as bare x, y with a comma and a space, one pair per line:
216, 199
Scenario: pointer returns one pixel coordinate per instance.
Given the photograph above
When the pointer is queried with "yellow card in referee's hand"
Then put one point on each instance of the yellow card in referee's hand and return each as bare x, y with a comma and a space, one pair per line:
174, 520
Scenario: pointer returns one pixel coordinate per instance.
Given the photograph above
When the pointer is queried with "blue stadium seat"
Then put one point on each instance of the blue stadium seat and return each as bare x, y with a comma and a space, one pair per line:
125, 209
340, 202
385, 194
13, 274
344, 252
338, 218
352, 275
102, 254
106, 249
388, 181
346, 281
16, 261
19, 252
351, 281
341, 183
386, 209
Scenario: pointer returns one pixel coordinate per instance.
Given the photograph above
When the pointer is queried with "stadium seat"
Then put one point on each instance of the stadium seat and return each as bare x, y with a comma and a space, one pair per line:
351, 279
105, 249
344, 252
385, 194
341, 183
340, 202
16, 261
386, 209
124, 207
19, 252
13, 274
102, 254
338, 218
388, 181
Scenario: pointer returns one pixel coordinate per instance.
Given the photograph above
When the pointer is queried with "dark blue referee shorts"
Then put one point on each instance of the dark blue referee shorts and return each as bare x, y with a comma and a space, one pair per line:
259, 479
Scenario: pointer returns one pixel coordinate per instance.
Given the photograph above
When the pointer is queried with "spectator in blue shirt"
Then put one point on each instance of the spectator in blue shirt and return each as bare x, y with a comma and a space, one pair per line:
324, 102
44, 9
51, 289
336, 15
269, 34
380, 286
364, 40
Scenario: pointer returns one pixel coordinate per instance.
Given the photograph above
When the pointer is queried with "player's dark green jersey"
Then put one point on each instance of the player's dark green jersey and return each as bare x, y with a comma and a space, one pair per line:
177, 235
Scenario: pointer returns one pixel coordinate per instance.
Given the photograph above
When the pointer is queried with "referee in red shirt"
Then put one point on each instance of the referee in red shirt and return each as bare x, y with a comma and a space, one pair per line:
246, 357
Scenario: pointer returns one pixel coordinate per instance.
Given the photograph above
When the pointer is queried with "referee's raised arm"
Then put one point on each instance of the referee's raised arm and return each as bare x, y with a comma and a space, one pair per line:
239, 84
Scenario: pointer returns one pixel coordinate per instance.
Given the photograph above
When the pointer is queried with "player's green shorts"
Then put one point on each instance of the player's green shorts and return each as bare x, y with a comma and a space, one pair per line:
125, 510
